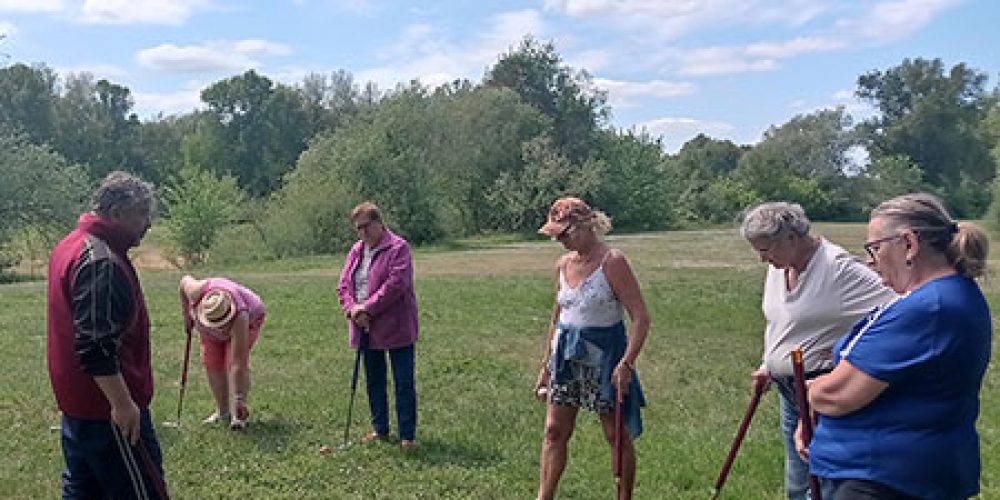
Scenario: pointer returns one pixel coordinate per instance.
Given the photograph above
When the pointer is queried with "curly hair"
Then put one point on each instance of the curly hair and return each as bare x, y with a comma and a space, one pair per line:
122, 192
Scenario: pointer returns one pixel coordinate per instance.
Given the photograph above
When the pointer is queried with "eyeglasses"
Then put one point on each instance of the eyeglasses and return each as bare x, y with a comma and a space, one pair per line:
872, 246
362, 226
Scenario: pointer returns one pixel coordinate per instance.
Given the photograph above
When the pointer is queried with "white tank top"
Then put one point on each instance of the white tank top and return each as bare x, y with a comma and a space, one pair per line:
591, 303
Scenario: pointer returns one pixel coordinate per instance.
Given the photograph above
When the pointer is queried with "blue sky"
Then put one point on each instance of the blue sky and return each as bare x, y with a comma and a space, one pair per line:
727, 68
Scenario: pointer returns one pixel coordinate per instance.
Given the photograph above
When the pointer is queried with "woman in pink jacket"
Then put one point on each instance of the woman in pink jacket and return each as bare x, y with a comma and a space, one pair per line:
228, 317
376, 294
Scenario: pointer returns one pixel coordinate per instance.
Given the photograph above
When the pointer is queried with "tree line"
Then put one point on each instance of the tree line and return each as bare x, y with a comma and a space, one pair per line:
286, 162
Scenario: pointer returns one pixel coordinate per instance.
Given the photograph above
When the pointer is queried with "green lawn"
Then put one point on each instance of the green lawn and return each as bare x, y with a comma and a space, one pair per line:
483, 317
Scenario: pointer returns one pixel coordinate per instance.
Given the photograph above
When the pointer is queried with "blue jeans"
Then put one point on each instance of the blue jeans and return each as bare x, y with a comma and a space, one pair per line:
100, 463
796, 470
404, 384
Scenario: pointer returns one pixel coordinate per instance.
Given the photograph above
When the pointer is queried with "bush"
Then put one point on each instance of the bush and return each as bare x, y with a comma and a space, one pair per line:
199, 205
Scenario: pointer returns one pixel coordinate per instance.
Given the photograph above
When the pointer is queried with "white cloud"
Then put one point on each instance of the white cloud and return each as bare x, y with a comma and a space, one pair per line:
896, 19
622, 94
99, 71
857, 108
7, 30
843, 95
423, 53
171, 12
149, 104
675, 131
722, 61
510, 27
792, 48
256, 46
755, 57
31, 5
209, 57
672, 19
592, 60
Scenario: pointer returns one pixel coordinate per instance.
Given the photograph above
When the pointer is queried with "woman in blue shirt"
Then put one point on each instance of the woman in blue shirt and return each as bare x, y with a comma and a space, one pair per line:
898, 412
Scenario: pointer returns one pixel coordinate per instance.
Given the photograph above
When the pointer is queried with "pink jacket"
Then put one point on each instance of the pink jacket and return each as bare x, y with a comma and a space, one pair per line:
391, 301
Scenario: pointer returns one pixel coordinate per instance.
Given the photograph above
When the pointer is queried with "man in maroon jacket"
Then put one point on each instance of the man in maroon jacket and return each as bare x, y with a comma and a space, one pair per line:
98, 348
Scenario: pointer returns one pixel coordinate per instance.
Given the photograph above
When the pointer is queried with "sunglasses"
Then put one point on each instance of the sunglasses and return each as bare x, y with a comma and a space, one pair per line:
873, 246
564, 233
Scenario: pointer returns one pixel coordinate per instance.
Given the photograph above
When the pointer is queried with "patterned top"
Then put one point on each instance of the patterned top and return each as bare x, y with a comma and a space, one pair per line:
591, 303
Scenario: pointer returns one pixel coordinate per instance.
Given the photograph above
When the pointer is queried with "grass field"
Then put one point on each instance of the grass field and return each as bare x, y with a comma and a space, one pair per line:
483, 315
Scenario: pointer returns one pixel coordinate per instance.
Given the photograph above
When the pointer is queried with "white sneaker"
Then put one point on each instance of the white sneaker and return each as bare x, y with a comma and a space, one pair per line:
215, 417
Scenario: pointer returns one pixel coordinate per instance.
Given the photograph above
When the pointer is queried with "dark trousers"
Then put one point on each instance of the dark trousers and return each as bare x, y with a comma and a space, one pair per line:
857, 489
406, 391
100, 462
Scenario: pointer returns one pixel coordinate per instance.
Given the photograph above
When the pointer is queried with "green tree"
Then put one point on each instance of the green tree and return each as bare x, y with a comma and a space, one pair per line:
932, 116
96, 126
261, 129
537, 73
199, 204
633, 189
41, 194
384, 155
160, 146
27, 94
691, 173
804, 161
525, 196
330, 101
477, 135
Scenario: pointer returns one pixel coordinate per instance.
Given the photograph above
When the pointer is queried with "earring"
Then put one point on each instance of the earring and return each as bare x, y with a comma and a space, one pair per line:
909, 262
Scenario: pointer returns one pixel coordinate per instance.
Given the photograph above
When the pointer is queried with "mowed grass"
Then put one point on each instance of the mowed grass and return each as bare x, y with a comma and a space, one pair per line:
483, 319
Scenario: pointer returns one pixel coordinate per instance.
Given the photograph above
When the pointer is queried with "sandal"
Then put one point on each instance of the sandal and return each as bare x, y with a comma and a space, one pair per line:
215, 417
373, 436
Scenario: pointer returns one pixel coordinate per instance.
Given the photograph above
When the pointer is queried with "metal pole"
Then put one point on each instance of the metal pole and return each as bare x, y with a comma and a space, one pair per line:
362, 345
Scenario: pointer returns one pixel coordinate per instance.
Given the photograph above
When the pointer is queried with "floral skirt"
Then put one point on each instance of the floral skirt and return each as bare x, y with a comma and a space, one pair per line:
582, 389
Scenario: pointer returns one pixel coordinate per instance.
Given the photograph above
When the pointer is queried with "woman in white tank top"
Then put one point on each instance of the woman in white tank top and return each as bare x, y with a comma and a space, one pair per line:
589, 360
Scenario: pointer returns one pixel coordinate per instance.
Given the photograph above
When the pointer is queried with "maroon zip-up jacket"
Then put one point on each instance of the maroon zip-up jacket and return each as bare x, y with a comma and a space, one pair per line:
97, 319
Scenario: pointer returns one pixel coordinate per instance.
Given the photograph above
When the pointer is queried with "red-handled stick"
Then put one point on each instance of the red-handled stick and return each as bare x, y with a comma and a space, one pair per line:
184, 373
758, 390
616, 464
805, 416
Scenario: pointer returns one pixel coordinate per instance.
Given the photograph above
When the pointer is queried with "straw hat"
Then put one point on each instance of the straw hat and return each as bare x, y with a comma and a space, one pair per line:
216, 309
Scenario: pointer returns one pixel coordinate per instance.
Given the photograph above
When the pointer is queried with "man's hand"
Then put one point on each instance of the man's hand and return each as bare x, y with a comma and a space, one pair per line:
126, 417
124, 412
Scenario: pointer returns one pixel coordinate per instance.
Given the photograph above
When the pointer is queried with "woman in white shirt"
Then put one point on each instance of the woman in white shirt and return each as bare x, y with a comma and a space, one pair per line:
814, 292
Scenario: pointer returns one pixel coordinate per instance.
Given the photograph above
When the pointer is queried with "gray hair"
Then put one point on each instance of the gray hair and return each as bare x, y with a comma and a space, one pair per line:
771, 220
965, 245
122, 192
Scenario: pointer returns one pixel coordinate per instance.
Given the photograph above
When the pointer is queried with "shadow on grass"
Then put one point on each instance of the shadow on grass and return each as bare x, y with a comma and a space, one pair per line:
269, 436
438, 452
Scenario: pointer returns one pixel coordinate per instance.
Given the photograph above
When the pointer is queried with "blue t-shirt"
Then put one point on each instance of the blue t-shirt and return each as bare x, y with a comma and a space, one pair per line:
918, 436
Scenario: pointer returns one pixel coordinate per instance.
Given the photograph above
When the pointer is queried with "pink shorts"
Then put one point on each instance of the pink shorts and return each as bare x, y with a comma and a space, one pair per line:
215, 353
